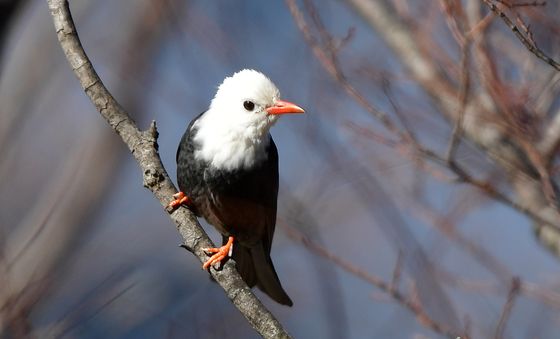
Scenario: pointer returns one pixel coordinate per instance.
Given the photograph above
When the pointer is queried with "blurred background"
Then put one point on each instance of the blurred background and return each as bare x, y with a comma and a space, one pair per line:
418, 193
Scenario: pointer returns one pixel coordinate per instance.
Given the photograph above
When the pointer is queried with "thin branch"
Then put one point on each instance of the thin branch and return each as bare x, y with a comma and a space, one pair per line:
330, 63
523, 35
408, 132
329, 60
72, 326
463, 97
445, 225
463, 176
395, 280
550, 142
144, 148
508, 307
522, 4
391, 290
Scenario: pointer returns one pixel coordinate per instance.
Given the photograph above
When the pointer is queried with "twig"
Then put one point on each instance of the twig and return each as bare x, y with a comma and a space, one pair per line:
408, 132
508, 307
396, 278
413, 306
488, 189
144, 148
511, 112
464, 177
72, 326
463, 97
328, 58
550, 142
522, 4
456, 19
526, 40
332, 67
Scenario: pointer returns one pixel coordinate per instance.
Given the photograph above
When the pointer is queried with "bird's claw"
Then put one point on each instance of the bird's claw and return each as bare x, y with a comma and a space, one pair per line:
180, 199
214, 260
220, 254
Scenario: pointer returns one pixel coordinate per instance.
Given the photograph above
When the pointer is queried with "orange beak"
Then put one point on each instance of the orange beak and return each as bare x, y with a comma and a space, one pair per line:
284, 107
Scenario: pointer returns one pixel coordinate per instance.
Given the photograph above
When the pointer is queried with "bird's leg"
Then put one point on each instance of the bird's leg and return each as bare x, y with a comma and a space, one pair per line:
220, 253
180, 199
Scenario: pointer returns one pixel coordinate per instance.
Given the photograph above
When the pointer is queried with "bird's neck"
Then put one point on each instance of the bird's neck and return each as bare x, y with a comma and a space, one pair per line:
231, 145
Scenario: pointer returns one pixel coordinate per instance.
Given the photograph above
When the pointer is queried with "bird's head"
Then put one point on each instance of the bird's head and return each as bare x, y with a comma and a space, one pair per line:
249, 100
237, 122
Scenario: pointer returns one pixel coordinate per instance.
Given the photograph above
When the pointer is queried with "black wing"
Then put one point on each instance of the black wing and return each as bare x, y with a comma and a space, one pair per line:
190, 172
185, 140
243, 202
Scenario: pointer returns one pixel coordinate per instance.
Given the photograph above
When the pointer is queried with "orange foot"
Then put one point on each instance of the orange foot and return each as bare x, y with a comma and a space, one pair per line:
220, 253
180, 199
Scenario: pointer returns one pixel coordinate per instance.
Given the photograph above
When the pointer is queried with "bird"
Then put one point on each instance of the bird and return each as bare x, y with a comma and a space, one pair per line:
227, 172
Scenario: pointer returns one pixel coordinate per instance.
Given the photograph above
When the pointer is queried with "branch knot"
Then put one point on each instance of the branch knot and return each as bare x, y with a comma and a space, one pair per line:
152, 177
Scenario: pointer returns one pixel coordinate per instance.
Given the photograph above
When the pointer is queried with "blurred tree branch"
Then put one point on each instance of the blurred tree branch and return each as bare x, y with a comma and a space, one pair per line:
512, 148
144, 148
390, 288
523, 34
472, 94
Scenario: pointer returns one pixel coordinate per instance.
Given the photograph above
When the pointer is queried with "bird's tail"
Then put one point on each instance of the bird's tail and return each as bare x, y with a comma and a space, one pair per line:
256, 268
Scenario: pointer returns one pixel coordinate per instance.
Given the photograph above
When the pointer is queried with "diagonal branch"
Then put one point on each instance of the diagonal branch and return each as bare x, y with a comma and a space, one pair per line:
550, 142
523, 35
144, 148
508, 307
503, 150
389, 288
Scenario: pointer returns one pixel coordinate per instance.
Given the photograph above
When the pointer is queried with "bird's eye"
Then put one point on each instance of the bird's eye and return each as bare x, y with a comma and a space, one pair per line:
249, 105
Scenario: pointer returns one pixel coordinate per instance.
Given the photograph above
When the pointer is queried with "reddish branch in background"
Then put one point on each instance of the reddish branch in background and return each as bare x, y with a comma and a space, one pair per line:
470, 93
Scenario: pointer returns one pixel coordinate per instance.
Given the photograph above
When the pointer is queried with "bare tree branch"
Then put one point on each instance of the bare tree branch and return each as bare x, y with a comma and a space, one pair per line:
507, 147
390, 288
523, 34
464, 94
144, 148
551, 140
508, 307
483, 108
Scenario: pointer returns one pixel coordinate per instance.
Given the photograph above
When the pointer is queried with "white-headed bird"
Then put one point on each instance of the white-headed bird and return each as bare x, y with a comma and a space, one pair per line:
227, 171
